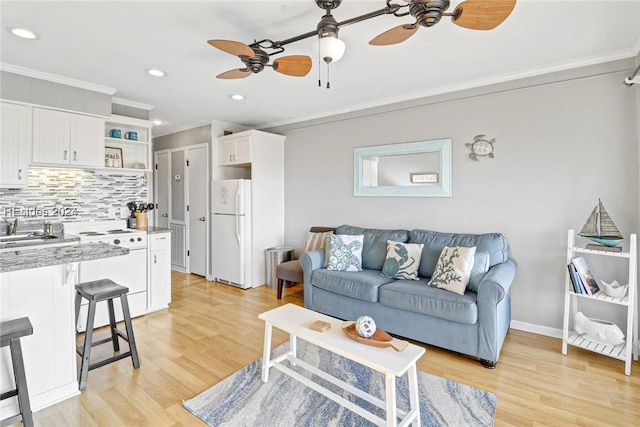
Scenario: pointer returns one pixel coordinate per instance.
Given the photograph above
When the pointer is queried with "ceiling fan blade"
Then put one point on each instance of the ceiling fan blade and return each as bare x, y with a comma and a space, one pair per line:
239, 73
234, 48
395, 35
482, 14
293, 65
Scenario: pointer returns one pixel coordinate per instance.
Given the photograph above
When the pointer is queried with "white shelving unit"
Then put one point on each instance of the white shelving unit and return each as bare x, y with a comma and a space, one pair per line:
629, 348
134, 153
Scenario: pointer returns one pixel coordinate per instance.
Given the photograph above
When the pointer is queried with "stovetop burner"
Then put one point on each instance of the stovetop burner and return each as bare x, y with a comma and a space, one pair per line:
119, 231
91, 233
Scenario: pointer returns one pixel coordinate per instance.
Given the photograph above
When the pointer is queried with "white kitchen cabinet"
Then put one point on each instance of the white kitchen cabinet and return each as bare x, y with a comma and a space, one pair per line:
67, 139
136, 153
626, 351
45, 295
14, 145
85, 140
235, 149
159, 270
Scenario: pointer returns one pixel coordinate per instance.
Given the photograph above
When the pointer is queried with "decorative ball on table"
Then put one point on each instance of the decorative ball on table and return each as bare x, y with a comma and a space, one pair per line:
365, 326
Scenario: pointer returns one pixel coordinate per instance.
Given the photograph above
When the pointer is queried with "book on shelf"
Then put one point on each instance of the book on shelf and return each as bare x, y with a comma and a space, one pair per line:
575, 280
603, 248
586, 276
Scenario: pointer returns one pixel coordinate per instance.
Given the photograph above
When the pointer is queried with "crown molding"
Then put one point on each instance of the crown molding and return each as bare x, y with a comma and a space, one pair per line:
28, 72
390, 103
133, 104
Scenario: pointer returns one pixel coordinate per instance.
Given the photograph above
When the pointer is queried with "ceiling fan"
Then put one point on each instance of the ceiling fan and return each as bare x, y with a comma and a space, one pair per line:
472, 14
255, 59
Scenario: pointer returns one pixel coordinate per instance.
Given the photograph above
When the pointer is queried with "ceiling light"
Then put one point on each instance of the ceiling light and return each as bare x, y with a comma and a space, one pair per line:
331, 48
156, 73
237, 97
23, 33
157, 122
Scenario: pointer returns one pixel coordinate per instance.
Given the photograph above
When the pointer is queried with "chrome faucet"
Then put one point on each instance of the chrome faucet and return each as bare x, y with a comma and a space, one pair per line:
13, 226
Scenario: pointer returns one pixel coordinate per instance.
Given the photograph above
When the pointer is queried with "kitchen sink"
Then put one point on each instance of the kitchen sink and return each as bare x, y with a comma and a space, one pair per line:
24, 238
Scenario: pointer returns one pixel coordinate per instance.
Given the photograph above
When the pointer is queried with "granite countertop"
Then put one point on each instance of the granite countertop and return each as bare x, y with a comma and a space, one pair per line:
35, 258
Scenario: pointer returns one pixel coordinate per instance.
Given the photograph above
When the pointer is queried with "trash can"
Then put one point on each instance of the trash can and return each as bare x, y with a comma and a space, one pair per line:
276, 256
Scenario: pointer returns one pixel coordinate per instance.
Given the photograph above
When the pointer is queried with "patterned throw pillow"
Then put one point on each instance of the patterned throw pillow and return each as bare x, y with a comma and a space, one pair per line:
345, 252
402, 260
453, 269
316, 240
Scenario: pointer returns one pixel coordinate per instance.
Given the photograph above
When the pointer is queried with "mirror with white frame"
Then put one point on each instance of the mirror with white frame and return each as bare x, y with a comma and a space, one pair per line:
408, 169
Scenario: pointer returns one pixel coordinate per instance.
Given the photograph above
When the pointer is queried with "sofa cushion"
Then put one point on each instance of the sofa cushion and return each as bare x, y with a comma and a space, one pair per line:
453, 269
418, 297
374, 251
345, 253
361, 285
493, 243
403, 260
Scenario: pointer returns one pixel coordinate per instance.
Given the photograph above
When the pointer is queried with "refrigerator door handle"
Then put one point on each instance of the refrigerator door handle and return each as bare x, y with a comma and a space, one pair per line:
238, 229
238, 199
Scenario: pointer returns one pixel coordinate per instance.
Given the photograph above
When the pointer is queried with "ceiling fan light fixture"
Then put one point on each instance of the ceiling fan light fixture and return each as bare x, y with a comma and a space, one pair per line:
331, 48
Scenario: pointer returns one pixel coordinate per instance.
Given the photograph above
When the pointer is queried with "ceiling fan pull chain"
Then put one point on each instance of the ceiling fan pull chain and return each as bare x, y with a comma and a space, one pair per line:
319, 69
328, 79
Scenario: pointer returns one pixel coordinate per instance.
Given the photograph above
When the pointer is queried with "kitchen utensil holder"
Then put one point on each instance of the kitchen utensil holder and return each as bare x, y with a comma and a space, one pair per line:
141, 220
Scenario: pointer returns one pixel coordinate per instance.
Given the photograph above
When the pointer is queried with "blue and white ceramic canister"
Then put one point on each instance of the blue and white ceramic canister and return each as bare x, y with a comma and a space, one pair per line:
132, 136
115, 133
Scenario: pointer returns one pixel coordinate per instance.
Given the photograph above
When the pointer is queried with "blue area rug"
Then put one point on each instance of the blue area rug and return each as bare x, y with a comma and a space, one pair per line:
243, 400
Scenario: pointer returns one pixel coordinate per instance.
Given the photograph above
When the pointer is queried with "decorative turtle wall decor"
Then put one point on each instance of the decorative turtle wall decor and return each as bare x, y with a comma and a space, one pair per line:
481, 146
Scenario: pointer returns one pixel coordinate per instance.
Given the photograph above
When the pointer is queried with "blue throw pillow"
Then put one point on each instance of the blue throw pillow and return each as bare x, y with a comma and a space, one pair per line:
479, 269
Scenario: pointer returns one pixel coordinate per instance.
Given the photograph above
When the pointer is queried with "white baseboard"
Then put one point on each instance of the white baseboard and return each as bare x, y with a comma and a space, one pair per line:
536, 329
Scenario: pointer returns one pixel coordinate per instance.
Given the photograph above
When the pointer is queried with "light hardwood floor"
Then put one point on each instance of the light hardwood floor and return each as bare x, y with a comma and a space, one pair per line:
211, 330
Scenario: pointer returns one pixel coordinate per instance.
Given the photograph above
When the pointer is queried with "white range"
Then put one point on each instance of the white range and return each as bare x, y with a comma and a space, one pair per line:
129, 270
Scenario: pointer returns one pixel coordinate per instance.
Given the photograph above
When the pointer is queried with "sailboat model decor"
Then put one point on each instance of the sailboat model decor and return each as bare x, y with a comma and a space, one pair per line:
600, 227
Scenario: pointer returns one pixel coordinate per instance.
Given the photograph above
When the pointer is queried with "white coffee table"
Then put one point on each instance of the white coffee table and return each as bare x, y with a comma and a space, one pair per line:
295, 320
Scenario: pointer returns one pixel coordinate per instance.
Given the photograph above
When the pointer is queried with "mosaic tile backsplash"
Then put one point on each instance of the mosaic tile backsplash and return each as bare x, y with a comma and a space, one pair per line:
72, 195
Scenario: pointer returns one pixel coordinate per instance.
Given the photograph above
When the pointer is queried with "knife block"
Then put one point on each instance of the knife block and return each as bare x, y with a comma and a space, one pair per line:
141, 220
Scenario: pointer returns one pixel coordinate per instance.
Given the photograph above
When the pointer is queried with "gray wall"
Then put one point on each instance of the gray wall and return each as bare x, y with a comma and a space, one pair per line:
559, 147
183, 138
30, 90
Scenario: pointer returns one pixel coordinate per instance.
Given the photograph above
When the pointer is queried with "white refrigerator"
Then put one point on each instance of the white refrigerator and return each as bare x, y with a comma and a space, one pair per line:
231, 226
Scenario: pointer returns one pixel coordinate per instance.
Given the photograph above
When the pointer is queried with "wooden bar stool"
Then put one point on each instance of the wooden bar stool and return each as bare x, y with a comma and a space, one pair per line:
94, 292
12, 330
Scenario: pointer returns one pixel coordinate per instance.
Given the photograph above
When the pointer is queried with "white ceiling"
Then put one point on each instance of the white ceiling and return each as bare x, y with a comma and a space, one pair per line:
112, 43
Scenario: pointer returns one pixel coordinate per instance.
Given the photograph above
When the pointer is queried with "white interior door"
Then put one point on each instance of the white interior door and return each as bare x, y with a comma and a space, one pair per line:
198, 202
163, 188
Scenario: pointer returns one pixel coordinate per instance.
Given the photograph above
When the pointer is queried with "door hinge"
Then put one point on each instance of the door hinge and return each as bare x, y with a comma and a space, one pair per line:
156, 206
187, 163
187, 208
156, 166
187, 253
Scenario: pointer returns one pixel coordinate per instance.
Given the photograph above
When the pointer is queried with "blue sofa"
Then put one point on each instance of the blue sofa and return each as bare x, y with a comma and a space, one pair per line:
475, 323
